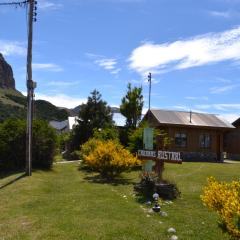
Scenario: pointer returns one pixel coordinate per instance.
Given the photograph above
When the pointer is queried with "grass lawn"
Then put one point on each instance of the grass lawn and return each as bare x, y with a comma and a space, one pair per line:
69, 204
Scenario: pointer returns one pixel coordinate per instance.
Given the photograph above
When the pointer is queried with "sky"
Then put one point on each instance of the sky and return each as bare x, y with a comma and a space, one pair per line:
192, 49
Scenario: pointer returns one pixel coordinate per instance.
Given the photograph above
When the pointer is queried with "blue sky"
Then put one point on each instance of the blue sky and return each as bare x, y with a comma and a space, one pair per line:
191, 47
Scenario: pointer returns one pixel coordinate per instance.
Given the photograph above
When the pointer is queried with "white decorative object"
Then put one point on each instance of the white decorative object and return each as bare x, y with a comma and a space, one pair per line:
163, 214
171, 230
174, 237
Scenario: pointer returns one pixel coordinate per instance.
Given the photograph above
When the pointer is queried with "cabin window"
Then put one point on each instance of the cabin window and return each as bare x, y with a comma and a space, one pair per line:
181, 140
205, 141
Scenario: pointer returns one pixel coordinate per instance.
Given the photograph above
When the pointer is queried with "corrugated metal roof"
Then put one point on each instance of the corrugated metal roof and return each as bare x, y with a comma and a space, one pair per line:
183, 118
119, 119
59, 125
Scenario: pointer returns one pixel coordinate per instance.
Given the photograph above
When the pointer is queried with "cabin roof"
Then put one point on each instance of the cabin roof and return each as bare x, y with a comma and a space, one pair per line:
189, 119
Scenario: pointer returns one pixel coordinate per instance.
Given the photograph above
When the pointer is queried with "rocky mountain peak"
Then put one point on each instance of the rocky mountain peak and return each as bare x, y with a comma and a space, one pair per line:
6, 75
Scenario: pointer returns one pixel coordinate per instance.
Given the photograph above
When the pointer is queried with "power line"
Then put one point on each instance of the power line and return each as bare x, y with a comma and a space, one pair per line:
17, 4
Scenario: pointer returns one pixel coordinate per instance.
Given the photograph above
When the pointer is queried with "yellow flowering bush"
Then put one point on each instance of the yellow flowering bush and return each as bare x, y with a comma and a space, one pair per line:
89, 147
110, 159
224, 198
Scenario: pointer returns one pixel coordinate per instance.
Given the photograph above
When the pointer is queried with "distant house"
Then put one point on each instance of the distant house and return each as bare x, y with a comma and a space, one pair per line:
119, 119
232, 141
67, 125
64, 126
198, 136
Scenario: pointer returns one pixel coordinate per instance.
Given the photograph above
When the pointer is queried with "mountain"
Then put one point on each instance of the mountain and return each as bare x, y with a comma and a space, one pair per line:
14, 104
75, 111
6, 75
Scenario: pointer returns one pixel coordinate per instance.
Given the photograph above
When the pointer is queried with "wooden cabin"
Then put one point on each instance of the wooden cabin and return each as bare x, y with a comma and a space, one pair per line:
198, 136
232, 142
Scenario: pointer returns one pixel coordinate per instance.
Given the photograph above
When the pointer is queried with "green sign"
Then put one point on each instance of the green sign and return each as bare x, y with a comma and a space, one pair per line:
148, 166
148, 145
148, 138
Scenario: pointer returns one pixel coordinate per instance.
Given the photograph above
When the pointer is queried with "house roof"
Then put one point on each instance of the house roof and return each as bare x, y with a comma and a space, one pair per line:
119, 119
183, 118
59, 125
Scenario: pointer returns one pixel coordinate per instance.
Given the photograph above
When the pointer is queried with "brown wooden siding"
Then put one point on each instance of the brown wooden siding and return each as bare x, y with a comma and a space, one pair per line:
232, 141
193, 141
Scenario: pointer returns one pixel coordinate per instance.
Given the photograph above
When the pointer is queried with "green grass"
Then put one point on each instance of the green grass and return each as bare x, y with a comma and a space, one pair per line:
69, 204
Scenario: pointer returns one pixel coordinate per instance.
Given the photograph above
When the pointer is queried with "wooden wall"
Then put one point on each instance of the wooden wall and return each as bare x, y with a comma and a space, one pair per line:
232, 142
193, 140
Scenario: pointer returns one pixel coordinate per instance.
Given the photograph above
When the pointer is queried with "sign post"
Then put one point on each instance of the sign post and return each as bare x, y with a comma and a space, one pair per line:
154, 159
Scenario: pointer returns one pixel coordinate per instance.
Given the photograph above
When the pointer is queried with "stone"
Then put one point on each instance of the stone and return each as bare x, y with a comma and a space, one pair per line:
6, 75
150, 211
163, 214
148, 203
171, 230
174, 237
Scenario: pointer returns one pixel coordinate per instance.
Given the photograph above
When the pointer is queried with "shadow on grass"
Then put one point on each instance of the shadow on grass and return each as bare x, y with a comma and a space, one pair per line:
97, 178
9, 173
13, 180
94, 177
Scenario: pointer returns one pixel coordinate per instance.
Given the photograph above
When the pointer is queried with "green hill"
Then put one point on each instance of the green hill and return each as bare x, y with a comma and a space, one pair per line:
13, 104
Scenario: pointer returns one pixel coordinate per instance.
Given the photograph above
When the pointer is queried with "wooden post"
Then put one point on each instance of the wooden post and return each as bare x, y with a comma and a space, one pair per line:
30, 88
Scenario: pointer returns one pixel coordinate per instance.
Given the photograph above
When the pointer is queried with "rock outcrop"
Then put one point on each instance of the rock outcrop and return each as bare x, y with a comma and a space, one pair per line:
6, 75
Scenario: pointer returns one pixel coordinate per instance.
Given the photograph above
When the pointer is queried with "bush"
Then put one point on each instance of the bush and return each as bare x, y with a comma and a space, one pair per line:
224, 198
89, 147
75, 155
13, 144
44, 144
109, 158
136, 138
107, 133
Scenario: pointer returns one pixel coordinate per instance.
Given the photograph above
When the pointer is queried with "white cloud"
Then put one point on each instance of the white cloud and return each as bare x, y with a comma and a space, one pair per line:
109, 64
219, 90
230, 117
9, 48
49, 5
220, 106
197, 98
62, 83
197, 51
47, 67
223, 14
61, 100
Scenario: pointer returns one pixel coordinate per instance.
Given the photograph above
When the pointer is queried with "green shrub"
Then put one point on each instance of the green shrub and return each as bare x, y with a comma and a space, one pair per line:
75, 155
13, 144
44, 144
107, 133
136, 138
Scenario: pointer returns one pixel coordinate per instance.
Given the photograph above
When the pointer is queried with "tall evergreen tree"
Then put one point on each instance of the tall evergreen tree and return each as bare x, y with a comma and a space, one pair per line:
131, 106
95, 114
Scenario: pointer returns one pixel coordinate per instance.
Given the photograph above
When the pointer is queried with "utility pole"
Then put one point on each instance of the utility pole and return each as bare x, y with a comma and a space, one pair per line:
30, 88
31, 85
150, 85
149, 96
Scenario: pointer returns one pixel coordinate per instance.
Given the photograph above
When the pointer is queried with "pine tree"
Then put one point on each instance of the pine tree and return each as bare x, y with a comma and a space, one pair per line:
95, 114
132, 105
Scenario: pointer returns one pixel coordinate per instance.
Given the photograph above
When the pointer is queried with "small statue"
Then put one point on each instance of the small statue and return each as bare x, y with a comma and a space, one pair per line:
156, 207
